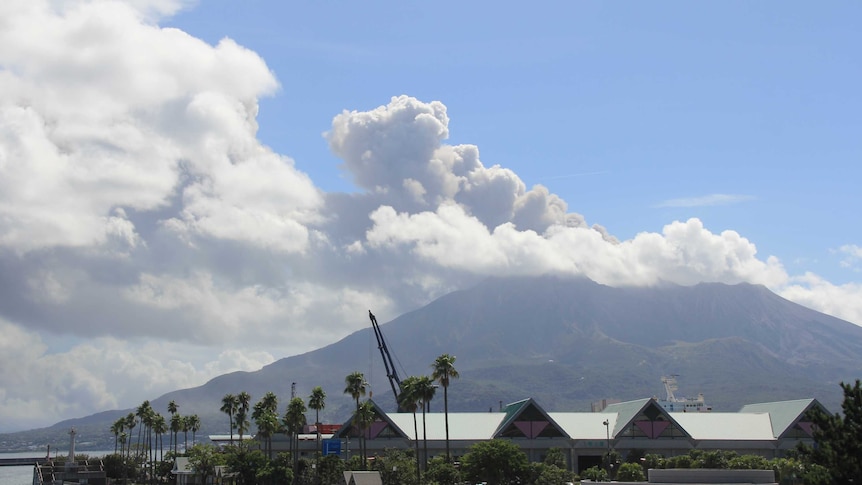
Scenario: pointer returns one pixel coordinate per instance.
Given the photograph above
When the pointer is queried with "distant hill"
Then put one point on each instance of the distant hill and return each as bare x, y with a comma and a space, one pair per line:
567, 343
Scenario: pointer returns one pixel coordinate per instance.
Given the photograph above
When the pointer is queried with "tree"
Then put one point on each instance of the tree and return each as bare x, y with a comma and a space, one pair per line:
160, 427
631, 472
265, 417
442, 472
556, 457
425, 390
228, 406
176, 427
186, 426
294, 420
317, 401
246, 463
839, 447
243, 401
204, 459
443, 370
396, 467
497, 461
131, 422
363, 418
173, 408
140, 412
194, 426
355, 387
408, 400
545, 474
117, 428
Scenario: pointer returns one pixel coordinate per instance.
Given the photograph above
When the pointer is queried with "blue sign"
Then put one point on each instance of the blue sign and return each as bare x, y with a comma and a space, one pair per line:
331, 447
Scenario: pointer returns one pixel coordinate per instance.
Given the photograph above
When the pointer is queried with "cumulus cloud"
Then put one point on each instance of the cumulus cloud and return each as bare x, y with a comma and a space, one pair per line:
103, 373
136, 202
811, 290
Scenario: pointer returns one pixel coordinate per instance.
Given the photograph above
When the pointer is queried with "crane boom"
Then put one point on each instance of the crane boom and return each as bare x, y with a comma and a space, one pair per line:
391, 373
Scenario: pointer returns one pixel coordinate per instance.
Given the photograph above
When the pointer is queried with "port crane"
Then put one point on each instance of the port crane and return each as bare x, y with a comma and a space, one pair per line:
391, 373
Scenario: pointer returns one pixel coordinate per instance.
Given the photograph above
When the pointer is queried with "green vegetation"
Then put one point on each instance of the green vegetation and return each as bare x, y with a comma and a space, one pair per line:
139, 455
497, 461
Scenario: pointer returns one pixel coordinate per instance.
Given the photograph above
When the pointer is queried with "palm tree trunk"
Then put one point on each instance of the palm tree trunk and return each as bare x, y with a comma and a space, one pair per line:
446, 418
424, 439
416, 441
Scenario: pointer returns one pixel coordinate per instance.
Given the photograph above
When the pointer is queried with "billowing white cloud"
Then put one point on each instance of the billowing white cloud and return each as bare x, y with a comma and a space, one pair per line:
843, 301
136, 202
103, 373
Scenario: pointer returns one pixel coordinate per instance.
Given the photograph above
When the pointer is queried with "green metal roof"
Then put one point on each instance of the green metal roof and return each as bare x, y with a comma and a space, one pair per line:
783, 414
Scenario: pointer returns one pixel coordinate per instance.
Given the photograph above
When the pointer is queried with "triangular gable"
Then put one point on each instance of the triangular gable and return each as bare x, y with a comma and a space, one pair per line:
790, 419
526, 419
381, 427
645, 418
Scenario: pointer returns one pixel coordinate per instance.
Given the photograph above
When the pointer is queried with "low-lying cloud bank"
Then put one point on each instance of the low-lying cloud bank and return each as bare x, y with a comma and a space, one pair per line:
144, 228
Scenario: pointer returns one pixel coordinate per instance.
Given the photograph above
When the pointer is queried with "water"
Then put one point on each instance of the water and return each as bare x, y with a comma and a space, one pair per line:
23, 475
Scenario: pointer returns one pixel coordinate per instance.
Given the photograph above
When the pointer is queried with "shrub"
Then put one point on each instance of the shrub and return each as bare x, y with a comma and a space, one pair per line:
631, 472
595, 474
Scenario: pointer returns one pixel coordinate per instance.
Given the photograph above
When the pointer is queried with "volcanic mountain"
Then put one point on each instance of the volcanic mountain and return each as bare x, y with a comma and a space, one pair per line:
567, 343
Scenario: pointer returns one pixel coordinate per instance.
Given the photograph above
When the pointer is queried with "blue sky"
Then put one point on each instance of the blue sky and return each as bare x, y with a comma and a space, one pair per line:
617, 108
179, 178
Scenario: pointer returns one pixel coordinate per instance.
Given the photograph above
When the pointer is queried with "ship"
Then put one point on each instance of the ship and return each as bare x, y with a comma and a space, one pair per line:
675, 404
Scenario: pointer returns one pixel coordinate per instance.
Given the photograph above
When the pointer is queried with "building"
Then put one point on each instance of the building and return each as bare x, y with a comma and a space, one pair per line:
765, 429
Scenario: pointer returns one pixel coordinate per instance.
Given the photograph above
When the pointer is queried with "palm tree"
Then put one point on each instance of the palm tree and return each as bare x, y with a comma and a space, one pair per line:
364, 417
355, 386
294, 420
228, 406
160, 426
186, 425
265, 417
141, 411
176, 427
243, 405
173, 408
317, 401
194, 425
131, 422
122, 443
409, 401
117, 428
425, 390
443, 370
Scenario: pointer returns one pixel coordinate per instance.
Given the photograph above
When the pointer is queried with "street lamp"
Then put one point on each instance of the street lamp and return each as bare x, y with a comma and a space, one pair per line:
607, 424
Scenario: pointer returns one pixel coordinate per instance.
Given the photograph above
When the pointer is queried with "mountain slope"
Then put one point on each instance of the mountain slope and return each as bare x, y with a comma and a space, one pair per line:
568, 342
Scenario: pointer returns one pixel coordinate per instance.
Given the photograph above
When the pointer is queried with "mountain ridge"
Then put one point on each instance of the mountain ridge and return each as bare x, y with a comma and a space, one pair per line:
568, 342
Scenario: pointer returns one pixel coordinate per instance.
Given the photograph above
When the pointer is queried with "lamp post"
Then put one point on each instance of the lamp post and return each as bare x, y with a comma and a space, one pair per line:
607, 424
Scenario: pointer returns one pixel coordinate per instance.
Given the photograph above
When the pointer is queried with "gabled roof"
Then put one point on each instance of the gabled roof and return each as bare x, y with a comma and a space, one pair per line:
627, 412
726, 426
462, 426
182, 465
784, 414
362, 478
529, 419
585, 426
382, 420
